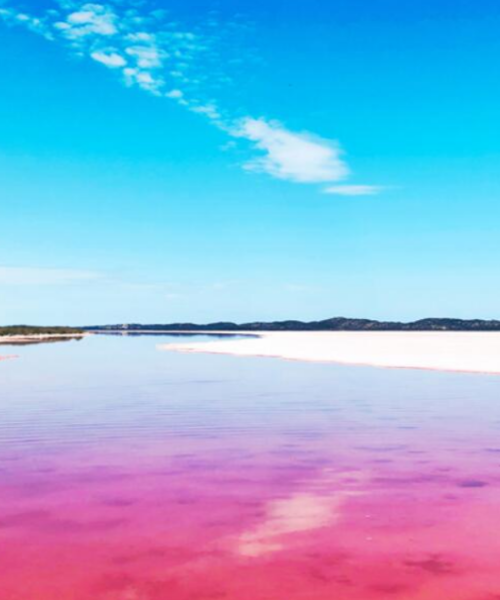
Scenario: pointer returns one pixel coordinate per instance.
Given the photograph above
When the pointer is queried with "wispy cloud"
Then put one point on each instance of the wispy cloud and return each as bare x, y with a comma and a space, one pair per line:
14, 17
353, 190
148, 50
110, 59
143, 47
294, 156
87, 20
44, 276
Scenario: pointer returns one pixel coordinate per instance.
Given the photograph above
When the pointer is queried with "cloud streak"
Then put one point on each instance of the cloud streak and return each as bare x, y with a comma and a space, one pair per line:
150, 52
353, 190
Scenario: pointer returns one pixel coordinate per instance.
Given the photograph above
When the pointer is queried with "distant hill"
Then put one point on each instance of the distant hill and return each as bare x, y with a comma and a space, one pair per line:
334, 324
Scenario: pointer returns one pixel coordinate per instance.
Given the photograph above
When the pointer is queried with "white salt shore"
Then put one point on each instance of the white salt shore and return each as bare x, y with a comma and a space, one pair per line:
475, 352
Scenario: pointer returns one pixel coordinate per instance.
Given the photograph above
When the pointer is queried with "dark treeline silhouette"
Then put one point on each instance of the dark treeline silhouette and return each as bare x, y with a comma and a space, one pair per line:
334, 324
34, 330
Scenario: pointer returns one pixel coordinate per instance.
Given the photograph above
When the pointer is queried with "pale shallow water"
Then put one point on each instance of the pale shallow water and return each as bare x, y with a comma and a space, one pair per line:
132, 474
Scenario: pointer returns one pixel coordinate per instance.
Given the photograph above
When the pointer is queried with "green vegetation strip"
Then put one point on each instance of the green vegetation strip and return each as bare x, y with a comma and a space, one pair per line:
26, 330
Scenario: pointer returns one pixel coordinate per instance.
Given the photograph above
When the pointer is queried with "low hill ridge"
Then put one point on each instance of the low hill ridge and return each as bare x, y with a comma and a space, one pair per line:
333, 324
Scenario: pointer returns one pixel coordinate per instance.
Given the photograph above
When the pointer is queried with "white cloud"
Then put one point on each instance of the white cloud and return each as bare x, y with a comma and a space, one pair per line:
79, 18
13, 17
89, 28
42, 276
146, 57
111, 59
144, 79
119, 37
151, 52
353, 190
294, 156
175, 94
141, 36
209, 110
90, 20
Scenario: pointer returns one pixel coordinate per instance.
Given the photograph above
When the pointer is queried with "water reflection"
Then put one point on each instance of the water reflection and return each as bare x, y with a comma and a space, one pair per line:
317, 505
131, 474
41, 340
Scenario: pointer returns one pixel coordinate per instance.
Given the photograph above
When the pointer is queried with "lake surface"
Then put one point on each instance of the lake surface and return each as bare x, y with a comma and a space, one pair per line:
128, 473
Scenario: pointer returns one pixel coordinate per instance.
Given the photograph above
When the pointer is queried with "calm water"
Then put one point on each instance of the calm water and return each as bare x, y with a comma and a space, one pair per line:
127, 473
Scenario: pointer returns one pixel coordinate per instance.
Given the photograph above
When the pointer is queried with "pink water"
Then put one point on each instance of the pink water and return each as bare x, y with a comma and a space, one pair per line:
132, 474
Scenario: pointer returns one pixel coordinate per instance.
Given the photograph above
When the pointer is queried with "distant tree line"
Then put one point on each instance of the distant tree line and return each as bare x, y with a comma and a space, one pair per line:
33, 330
334, 324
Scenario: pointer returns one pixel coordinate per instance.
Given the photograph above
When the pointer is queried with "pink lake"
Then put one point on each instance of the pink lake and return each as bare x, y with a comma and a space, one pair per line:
132, 474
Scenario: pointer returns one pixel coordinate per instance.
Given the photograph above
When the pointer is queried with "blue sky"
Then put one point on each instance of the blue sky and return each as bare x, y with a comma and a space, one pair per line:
201, 160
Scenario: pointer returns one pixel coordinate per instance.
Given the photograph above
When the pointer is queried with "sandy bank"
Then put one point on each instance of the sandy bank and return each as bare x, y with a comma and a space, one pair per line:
42, 337
447, 351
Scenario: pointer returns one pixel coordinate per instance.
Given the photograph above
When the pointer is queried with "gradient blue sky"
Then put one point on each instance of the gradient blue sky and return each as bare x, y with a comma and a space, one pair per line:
120, 204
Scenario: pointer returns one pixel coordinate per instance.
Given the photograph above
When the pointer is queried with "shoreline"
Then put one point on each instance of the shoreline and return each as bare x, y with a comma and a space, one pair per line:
464, 352
40, 337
